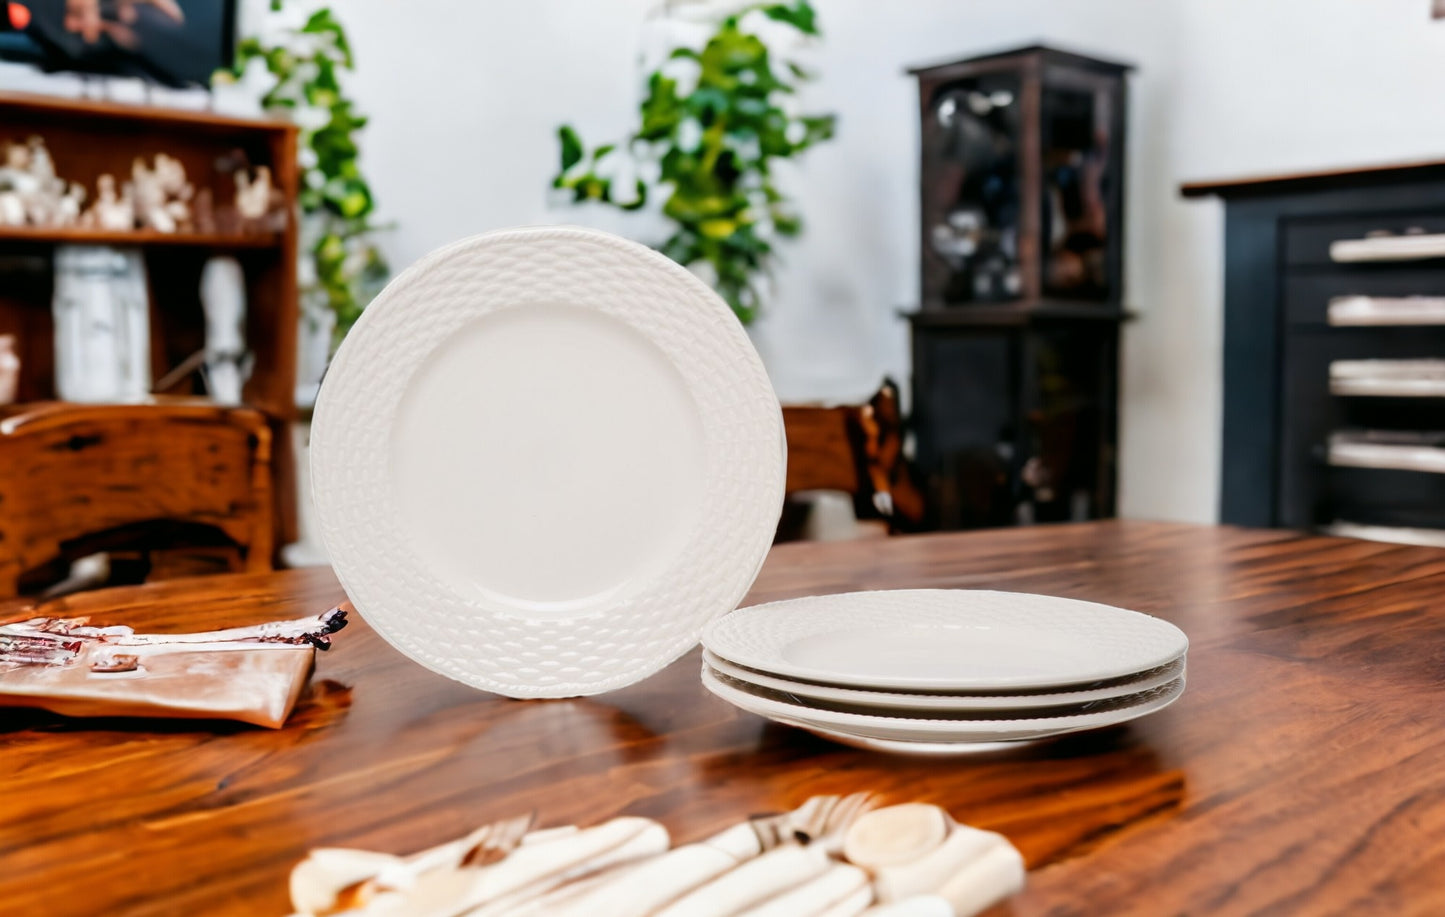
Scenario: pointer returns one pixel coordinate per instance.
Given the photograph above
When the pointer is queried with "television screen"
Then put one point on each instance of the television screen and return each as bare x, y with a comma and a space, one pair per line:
173, 42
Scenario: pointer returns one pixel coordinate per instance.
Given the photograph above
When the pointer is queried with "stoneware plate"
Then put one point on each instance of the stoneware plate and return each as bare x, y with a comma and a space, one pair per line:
943, 640
898, 747
543, 459
932, 731
898, 703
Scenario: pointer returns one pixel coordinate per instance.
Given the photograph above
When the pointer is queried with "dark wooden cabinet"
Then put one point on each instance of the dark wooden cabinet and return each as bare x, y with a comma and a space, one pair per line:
1016, 340
1282, 415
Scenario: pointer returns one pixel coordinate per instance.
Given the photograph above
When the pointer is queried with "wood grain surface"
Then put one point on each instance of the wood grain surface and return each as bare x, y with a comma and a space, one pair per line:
69, 472
1303, 771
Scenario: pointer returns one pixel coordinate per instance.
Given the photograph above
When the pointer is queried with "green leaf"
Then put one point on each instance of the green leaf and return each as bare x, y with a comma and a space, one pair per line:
800, 16
323, 22
355, 203
641, 201
820, 127
334, 195
571, 146
787, 224
718, 229
717, 191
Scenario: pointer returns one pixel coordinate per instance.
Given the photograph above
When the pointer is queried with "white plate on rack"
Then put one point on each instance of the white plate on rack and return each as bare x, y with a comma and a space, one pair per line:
924, 702
543, 459
944, 640
934, 731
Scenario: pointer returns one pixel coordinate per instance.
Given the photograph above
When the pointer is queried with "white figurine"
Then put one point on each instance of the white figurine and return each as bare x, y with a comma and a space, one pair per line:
17, 185
15, 170
253, 196
42, 166
150, 211
27, 176
68, 210
178, 192
111, 210
17, 157
9, 369
12, 209
162, 194
51, 187
223, 298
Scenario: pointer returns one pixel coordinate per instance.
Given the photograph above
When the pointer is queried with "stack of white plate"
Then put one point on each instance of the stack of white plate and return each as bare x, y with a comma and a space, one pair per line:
940, 670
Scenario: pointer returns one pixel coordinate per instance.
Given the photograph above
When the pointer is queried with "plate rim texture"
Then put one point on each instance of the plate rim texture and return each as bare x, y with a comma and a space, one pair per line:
484, 644
754, 637
922, 703
912, 729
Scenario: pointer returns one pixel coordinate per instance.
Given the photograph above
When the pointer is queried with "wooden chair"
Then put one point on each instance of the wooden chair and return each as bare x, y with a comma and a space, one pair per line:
855, 449
156, 478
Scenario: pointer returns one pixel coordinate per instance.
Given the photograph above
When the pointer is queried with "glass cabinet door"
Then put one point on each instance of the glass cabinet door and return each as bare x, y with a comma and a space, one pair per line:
974, 225
1077, 180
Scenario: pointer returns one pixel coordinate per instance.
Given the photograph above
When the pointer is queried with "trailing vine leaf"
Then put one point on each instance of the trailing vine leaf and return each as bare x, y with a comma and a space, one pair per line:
335, 198
713, 146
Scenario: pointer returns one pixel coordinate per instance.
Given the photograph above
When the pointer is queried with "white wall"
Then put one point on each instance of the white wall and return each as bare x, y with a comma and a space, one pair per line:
463, 140
465, 98
1257, 87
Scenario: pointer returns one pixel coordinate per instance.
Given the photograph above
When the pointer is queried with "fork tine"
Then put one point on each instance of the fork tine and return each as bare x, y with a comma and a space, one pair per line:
780, 828
842, 817
498, 840
811, 823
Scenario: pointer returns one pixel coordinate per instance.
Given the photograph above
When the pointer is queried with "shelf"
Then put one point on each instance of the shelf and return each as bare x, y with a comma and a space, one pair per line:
965, 315
1373, 250
1388, 378
1382, 311
1392, 534
1392, 450
60, 108
58, 235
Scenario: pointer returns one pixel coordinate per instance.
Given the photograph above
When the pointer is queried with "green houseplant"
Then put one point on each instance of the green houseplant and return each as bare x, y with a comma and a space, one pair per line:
710, 142
344, 268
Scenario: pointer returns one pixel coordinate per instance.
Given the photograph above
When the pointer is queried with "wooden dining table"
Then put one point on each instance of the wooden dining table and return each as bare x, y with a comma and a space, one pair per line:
1302, 771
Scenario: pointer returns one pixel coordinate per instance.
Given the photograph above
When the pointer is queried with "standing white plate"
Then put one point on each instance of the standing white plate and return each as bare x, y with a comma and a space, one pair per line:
905, 729
921, 704
944, 640
543, 459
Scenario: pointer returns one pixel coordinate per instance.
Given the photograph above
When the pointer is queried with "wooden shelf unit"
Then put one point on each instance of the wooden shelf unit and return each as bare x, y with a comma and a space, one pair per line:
68, 235
88, 139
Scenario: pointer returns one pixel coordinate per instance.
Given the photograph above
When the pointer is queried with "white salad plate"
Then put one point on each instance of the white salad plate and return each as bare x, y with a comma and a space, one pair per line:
1006, 727
944, 640
543, 459
901, 747
945, 702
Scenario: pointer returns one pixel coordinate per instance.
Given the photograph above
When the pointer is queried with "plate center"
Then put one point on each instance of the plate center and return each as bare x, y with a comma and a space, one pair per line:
943, 652
547, 458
